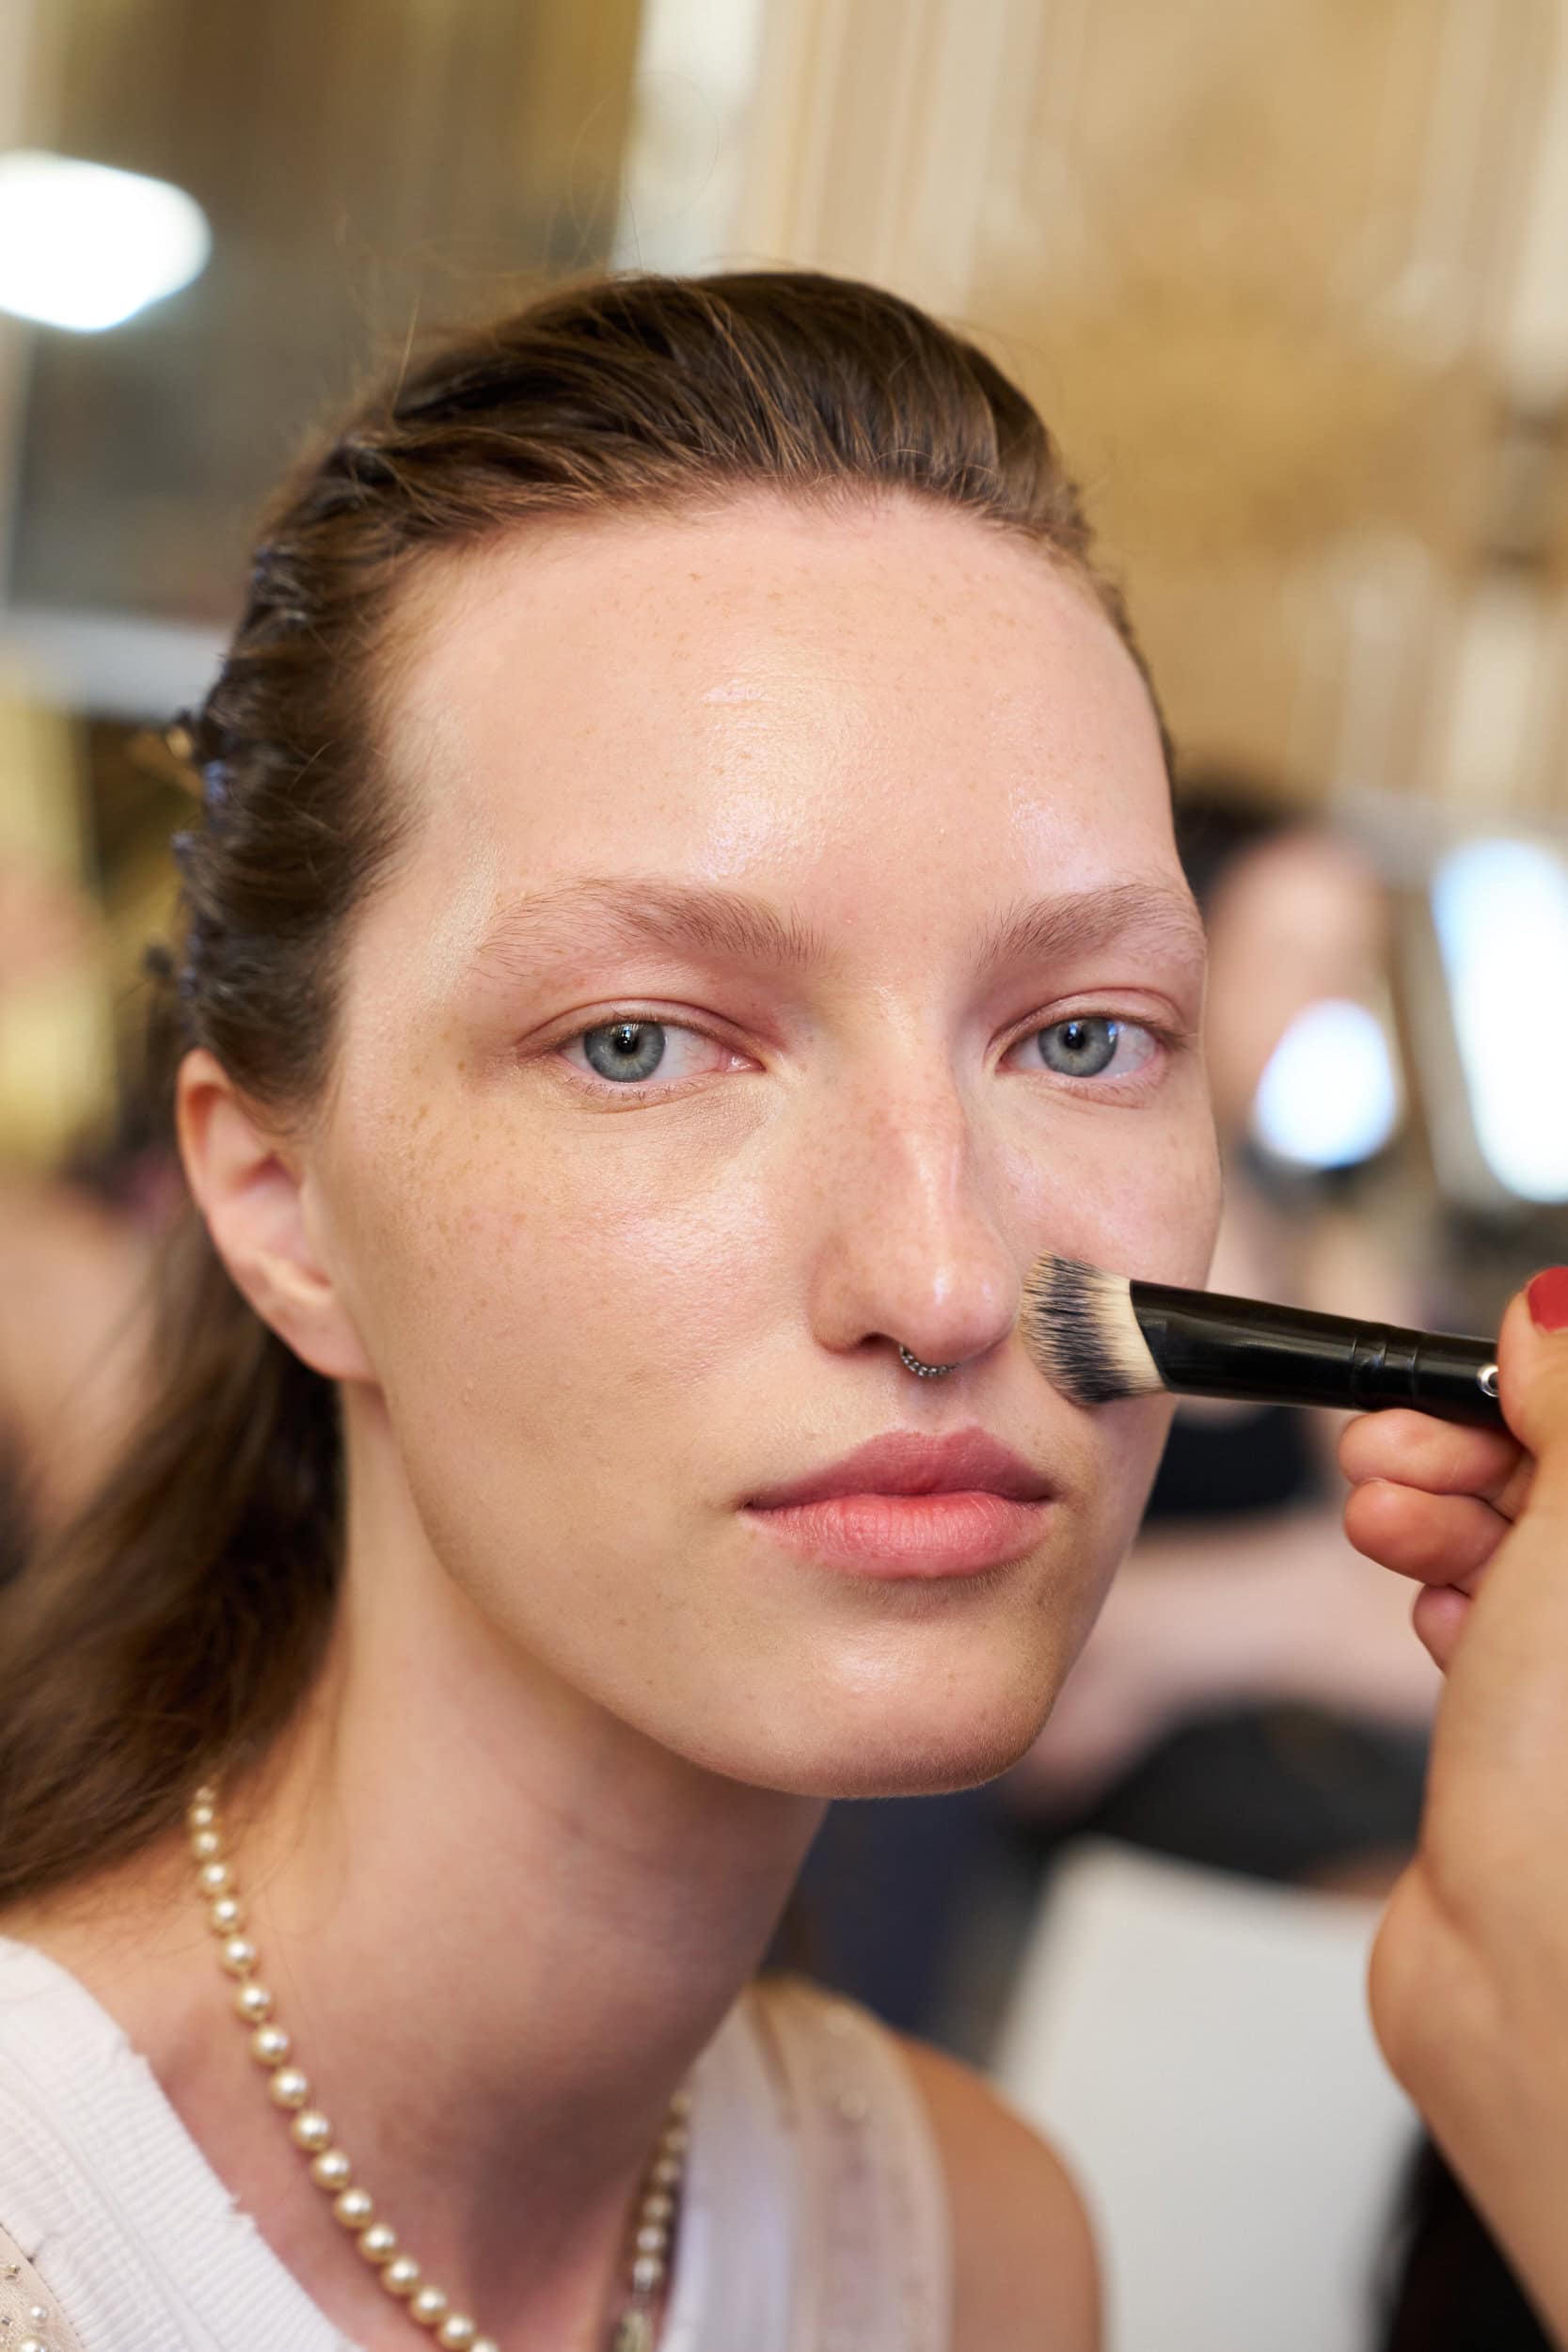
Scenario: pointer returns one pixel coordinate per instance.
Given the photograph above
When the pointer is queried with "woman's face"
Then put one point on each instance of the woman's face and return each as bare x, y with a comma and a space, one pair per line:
714, 1035
1299, 920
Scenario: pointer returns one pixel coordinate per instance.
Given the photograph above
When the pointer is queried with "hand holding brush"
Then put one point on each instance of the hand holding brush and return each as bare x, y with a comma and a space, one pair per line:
1470, 1979
1100, 1336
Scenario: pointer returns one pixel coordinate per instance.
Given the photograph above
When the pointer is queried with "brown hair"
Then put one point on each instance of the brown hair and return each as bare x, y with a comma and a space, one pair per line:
177, 1629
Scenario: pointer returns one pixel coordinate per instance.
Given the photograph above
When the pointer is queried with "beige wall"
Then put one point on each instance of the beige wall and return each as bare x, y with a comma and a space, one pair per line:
1253, 257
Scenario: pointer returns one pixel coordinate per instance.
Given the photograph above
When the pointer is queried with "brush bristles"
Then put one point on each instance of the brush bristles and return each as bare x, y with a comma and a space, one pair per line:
1078, 1324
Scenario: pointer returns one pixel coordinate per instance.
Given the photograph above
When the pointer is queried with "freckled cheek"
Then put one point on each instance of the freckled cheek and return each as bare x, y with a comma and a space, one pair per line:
511, 1272
1130, 1435
1139, 1196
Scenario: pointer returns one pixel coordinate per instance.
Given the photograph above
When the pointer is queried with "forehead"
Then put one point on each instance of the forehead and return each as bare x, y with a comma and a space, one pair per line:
776, 695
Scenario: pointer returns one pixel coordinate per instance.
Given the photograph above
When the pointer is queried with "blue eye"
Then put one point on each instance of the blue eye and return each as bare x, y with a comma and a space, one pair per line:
630, 1051
1087, 1045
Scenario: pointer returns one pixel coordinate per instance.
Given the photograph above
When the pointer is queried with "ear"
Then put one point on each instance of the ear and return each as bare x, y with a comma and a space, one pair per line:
252, 1187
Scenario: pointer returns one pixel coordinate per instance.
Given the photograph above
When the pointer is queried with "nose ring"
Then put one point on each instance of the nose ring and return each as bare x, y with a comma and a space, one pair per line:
923, 1372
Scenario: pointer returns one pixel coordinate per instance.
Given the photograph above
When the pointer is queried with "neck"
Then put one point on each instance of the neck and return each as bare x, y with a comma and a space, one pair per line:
499, 1925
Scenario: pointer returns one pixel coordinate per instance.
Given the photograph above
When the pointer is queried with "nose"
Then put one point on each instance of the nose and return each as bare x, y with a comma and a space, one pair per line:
911, 1250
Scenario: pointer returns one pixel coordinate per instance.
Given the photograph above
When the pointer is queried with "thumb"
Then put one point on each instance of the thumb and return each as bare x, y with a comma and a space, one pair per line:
1533, 1373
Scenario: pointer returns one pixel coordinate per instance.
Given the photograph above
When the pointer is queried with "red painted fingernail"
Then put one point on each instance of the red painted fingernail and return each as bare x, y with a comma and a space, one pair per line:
1548, 1300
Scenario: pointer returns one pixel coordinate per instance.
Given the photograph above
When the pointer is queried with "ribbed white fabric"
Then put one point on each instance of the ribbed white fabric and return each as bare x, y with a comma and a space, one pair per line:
814, 2219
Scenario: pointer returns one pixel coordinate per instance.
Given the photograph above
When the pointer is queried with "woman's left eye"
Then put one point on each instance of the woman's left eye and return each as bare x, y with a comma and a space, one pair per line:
1089, 1045
634, 1051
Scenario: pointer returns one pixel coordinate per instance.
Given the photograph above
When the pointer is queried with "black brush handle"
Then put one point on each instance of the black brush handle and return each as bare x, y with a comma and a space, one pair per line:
1206, 1344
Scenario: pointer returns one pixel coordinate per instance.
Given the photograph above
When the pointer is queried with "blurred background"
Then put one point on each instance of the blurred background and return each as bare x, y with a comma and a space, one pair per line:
1290, 280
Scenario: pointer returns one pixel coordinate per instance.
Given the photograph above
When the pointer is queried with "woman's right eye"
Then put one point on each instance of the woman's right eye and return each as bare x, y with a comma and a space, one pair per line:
633, 1052
628, 1050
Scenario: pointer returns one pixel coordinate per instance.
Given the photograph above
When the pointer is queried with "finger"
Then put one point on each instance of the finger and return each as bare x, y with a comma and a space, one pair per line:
1438, 1539
1532, 1363
1439, 1618
1444, 1457
1501, 1735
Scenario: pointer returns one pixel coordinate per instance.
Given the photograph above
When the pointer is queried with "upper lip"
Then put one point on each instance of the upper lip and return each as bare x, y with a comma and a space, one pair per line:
967, 1461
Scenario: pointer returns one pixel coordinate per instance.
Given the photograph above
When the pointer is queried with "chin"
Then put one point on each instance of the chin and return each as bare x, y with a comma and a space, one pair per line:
905, 1737
933, 1765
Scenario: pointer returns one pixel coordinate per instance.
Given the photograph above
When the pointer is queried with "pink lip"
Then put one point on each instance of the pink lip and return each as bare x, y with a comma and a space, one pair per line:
907, 1505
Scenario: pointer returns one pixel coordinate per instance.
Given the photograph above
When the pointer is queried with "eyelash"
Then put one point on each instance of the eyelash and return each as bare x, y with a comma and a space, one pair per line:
1164, 1044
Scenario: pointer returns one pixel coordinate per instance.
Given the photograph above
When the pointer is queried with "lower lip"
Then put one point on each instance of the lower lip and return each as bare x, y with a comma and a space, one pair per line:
915, 1535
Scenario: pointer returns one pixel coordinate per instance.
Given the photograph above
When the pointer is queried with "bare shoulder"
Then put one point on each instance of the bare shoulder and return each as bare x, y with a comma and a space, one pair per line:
1025, 2273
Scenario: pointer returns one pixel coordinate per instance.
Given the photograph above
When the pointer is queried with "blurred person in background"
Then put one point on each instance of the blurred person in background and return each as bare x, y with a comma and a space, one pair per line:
1248, 1699
75, 1258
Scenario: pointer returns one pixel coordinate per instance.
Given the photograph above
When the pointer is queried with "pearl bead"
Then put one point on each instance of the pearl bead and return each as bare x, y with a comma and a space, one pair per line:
32, 2344
330, 2167
37, 2313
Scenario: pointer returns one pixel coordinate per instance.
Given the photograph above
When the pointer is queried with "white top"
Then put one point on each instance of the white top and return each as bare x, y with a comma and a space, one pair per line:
814, 2215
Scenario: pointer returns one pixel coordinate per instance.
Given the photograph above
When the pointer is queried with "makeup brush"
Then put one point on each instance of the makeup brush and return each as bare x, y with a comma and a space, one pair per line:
1099, 1336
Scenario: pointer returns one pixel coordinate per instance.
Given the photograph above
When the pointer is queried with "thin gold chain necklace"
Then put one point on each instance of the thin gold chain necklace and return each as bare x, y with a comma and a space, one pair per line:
427, 2305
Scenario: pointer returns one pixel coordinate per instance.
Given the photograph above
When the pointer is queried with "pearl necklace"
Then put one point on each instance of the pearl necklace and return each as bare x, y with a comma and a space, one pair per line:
426, 2304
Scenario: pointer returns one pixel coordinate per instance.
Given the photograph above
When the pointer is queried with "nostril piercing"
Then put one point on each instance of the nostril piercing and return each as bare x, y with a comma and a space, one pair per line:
923, 1372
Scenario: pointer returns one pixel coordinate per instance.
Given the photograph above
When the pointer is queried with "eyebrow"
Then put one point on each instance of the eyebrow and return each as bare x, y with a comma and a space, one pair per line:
591, 917
1155, 916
